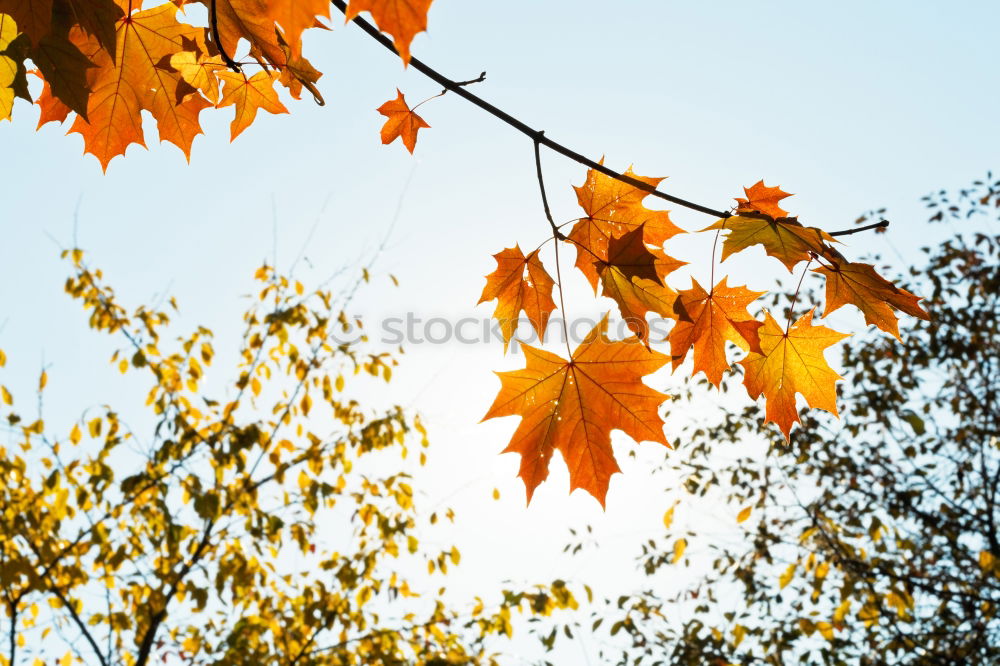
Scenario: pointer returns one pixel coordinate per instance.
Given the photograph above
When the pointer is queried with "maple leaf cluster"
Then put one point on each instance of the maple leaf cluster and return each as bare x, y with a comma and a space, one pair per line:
571, 405
107, 61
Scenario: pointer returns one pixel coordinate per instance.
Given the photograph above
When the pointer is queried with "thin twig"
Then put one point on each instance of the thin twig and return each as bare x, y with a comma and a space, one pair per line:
881, 224
458, 87
795, 297
478, 79
522, 127
557, 236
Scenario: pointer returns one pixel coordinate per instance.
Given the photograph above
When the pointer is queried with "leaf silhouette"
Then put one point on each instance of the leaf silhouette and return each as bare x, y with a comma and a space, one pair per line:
572, 406
632, 276
32, 17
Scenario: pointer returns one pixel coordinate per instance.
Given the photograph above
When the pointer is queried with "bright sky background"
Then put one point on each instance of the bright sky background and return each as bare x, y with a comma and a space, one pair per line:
851, 105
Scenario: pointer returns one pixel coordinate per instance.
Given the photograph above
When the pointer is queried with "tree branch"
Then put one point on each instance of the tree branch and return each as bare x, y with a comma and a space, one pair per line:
521, 127
146, 644
67, 603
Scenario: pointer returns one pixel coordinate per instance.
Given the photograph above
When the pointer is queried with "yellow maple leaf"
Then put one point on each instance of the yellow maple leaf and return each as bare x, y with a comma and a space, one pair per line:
248, 95
792, 362
784, 238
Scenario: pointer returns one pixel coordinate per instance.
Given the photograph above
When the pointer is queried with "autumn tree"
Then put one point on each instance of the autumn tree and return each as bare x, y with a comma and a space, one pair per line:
264, 519
868, 540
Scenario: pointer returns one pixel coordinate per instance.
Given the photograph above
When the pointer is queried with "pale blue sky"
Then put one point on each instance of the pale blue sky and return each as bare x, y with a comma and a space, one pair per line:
850, 105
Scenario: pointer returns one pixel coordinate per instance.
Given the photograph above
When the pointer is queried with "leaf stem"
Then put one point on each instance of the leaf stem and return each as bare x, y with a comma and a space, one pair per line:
557, 236
795, 296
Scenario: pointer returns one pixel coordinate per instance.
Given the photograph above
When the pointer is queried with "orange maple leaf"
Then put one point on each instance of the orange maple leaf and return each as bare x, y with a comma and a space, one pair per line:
295, 16
519, 283
707, 320
614, 208
572, 406
198, 70
792, 362
784, 238
859, 285
136, 80
249, 95
402, 122
52, 108
402, 19
762, 199
632, 275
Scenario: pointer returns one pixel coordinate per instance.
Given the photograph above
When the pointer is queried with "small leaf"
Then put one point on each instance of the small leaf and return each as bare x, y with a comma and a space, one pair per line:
668, 517
762, 199
786, 577
744, 514
679, 547
402, 122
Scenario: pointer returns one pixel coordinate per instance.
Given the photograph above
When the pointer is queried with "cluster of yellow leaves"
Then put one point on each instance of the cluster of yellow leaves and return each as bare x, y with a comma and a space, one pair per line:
572, 405
264, 523
108, 61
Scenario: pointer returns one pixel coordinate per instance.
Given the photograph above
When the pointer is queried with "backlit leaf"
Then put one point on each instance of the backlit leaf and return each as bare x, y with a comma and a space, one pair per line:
762, 199
792, 362
707, 320
519, 284
402, 19
402, 122
859, 285
249, 95
572, 406
784, 238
